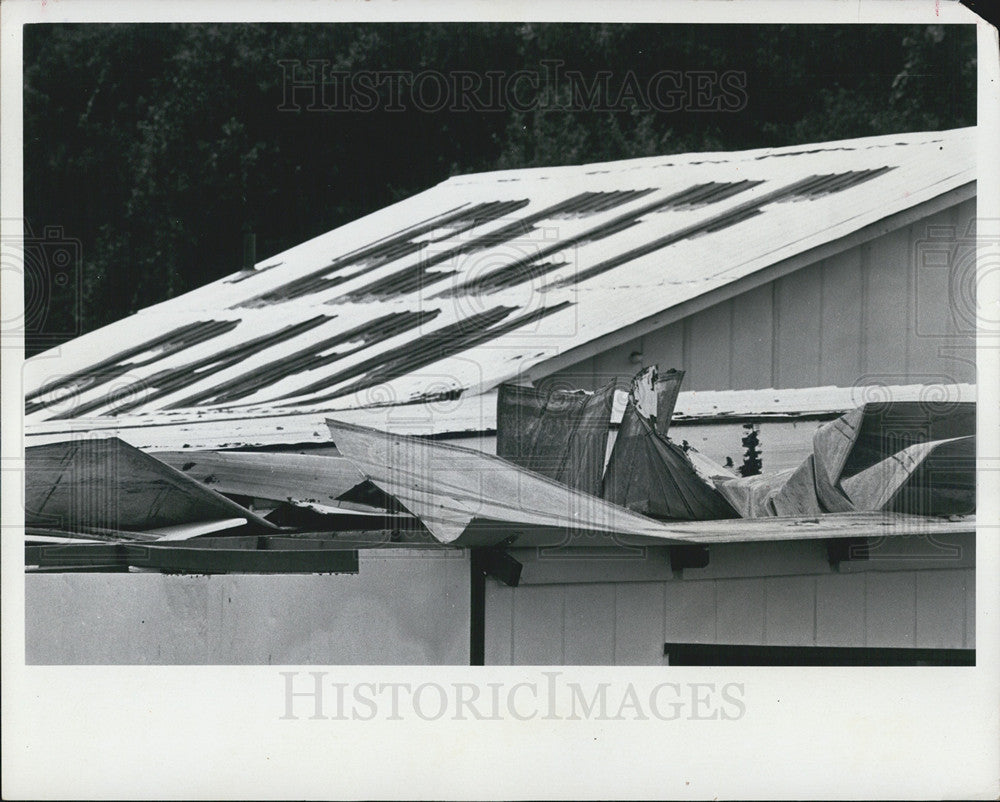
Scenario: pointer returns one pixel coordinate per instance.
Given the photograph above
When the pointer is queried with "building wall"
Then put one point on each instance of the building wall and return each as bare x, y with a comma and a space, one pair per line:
572, 609
896, 310
779, 594
400, 609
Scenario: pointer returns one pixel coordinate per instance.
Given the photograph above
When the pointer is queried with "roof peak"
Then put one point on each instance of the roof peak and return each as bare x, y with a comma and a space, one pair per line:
705, 157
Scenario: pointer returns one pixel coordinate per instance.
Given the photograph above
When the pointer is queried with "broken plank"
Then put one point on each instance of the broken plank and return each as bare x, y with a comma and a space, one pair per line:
174, 559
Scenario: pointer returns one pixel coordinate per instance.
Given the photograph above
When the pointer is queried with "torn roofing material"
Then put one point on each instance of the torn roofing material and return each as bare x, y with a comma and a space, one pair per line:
871, 432
649, 473
909, 457
103, 505
561, 434
316, 491
936, 478
863, 437
788, 492
298, 478
463, 497
556, 259
108, 484
469, 498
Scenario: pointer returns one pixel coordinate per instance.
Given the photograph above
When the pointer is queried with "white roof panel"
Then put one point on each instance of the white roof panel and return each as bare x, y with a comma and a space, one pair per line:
472, 282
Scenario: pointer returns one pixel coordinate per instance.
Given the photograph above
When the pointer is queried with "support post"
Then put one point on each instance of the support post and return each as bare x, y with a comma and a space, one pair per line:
483, 562
477, 607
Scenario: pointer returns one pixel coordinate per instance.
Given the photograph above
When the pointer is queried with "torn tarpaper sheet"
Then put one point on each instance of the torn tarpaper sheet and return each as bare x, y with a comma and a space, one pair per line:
561, 434
907, 457
650, 474
107, 484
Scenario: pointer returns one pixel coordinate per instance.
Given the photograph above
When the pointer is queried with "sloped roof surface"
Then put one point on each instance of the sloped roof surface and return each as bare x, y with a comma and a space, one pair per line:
464, 286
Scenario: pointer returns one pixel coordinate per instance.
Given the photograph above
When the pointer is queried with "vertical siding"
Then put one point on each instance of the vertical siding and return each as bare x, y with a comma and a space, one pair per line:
627, 623
940, 603
939, 270
890, 604
639, 623
931, 323
690, 612
842, 320
709, 334
753, 340
538, 625
608, 366
970, 609
881, 312
789, 610
739, 611
962, 221
665, 346
797, 331
886, 260
580, 375
840, 610
589, 625
499, 630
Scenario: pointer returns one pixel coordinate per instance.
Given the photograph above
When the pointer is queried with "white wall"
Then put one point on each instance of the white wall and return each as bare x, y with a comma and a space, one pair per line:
401, 608
567, 612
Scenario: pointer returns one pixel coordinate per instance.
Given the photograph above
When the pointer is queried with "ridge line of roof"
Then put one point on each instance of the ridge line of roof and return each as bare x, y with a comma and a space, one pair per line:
719, 157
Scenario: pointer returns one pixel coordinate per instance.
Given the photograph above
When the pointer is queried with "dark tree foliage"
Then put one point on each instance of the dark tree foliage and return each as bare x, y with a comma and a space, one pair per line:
154, 144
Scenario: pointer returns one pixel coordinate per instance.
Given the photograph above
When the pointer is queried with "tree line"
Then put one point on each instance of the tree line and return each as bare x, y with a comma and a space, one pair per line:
152, 146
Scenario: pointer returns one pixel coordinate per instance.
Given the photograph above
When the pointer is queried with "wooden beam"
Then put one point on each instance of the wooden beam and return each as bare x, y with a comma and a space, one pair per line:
234, 561
188, 559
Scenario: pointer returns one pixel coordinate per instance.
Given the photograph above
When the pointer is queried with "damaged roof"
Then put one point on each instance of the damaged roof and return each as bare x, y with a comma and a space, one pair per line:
473, 282
95, 503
